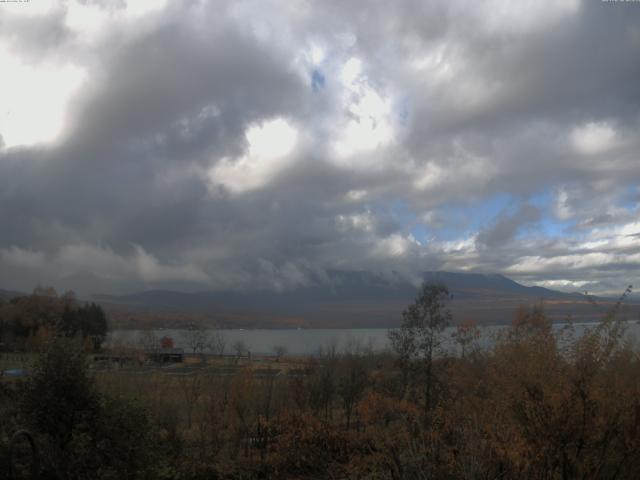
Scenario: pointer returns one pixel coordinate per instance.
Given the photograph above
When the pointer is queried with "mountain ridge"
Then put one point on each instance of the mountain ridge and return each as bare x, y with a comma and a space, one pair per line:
358, 299
458, 283
344, 299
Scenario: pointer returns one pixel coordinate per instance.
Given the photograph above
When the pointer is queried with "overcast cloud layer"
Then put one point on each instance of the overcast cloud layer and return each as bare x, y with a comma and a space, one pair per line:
259, 144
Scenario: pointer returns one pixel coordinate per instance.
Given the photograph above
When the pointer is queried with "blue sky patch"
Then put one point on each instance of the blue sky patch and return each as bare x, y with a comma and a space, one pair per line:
317, 80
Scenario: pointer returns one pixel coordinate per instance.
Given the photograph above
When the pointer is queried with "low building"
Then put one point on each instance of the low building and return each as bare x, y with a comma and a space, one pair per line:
166, 355
110, 359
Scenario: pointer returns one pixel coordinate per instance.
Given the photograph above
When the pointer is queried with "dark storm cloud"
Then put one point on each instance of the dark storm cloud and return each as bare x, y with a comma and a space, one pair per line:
480, 99
160, 104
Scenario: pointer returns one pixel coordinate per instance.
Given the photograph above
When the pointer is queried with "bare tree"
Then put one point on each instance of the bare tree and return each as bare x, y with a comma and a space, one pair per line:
196, 337
419, 338
240, 347
148, 341
352, 382
217, 342
280, 351
466, 336
322, 384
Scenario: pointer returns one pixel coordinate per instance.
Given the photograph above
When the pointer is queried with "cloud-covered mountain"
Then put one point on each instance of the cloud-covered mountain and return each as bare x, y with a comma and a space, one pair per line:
359, 299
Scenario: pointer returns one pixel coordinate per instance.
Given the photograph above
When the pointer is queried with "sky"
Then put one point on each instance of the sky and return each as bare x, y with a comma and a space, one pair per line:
250, 145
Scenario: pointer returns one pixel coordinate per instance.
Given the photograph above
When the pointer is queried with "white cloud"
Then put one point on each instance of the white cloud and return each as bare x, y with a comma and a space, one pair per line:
150, 269
356, 195
438, 64
467, 244
270, 143
22, 258
351, 70
524, 16
137, 8
593, 138
360, 221
86, 19
365, 123
34, 99
272, 139
103, 262
562, 208
317, 54
563, 284
537, 264
592, 245
430, 176
395, 245
463, 167
92, 22
33, 9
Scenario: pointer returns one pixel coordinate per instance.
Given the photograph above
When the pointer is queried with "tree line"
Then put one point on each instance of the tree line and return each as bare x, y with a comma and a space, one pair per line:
26, 322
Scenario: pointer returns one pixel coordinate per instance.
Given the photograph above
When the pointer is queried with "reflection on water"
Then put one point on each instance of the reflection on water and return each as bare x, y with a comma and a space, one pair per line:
311, 341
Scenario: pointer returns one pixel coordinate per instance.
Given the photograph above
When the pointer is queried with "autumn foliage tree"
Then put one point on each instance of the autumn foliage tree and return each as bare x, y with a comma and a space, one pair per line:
81, 432
166, 342
26, 322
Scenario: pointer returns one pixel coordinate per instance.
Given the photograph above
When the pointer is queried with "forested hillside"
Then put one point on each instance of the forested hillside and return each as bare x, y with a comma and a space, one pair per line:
27, 322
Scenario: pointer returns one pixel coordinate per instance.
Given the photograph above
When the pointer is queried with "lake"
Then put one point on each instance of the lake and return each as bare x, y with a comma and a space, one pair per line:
310, 341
